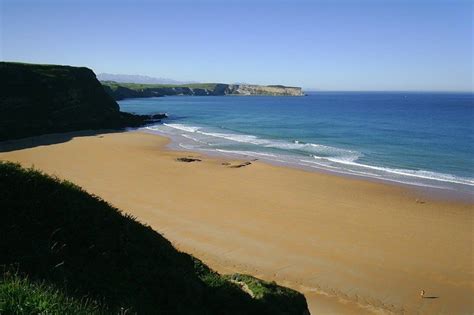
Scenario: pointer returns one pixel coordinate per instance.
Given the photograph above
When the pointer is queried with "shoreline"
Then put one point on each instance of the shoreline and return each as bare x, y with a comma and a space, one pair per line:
339, 240
439, 193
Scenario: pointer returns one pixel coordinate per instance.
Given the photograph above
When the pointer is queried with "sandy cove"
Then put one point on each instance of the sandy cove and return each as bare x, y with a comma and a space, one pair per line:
350, 245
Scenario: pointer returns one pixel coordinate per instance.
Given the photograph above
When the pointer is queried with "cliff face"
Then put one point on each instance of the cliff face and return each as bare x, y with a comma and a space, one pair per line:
274, 90
38, 99
121, 91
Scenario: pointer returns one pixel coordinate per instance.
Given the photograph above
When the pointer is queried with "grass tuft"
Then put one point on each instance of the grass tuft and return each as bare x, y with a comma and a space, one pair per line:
20, 295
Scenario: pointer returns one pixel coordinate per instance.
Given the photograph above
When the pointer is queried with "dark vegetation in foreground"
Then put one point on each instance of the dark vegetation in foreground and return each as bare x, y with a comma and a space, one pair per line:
20, 295
63, 250
40, 99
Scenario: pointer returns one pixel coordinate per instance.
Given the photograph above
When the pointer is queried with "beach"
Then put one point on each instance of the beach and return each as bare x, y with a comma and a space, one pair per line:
350, 245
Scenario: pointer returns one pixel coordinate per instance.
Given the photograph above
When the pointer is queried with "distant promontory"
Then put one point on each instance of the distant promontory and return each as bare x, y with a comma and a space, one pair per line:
120, 91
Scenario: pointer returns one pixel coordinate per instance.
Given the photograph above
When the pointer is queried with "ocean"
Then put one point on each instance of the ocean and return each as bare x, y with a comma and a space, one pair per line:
422, 139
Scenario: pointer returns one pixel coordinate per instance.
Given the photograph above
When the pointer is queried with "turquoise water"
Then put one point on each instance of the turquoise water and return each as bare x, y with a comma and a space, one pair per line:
423, 139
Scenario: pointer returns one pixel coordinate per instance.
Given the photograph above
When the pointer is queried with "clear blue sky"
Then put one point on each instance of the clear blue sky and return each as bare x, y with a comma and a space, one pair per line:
325, 45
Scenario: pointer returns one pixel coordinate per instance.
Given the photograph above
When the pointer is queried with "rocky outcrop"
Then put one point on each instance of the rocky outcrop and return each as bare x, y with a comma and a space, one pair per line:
120, 91
38, 99
274, 90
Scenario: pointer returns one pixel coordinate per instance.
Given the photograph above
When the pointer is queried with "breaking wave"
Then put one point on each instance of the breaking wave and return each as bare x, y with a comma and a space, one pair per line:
292, 152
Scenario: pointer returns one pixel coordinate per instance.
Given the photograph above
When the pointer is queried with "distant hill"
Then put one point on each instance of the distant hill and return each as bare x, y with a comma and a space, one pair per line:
121, 91
143, 79
38, 99
64, 251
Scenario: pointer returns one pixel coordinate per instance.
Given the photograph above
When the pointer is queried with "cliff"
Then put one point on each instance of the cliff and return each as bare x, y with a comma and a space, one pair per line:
79, 246
274, 90
38, 99
121, 91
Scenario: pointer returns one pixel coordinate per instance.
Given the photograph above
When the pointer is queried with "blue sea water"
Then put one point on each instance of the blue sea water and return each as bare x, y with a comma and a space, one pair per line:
422, 139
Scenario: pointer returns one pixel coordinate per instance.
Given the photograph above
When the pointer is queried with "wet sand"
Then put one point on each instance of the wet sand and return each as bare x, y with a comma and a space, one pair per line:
350, 245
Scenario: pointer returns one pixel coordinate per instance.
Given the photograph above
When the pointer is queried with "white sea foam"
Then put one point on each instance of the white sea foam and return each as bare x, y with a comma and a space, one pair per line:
250, 153
422, 174
236, 137
183, 127
320, 149
348, 171
325, 157
154, 128
193, 138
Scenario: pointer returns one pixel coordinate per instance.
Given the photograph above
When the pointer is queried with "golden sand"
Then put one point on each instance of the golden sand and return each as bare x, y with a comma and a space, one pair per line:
350, 245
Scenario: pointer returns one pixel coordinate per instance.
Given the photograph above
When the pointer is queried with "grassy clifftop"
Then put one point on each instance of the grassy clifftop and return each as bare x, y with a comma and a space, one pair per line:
140, 86
75, 247
38, 99
121, 91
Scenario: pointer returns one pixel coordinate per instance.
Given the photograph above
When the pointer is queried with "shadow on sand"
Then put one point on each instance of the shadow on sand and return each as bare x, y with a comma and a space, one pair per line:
48, 139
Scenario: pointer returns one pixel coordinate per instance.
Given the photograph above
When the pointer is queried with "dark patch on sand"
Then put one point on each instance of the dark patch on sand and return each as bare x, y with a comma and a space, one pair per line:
188, 159
240, 165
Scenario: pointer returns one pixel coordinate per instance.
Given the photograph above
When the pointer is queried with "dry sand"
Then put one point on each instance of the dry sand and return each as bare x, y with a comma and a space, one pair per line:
350, 245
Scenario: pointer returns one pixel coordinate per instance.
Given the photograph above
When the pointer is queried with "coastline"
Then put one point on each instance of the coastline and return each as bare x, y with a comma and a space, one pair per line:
393, 144
462, 193
337, 239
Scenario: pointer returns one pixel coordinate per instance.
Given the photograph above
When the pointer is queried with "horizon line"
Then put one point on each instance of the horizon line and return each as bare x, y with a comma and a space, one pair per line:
304, 89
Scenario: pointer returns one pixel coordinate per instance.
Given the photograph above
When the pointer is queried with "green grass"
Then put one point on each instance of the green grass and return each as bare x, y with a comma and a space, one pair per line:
139, 87
120, 91
259, 288
270, 293
20, 295
65, 239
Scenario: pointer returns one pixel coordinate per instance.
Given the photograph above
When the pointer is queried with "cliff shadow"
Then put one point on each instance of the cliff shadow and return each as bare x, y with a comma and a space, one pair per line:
50, 139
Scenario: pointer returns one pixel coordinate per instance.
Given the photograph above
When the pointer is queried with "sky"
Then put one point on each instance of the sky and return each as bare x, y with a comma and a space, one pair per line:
417, 45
